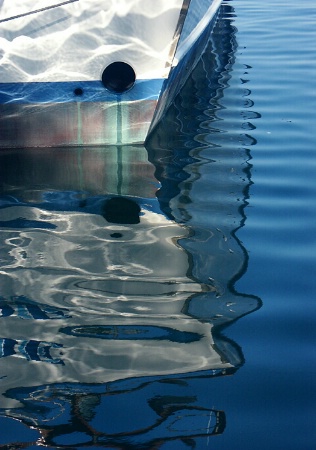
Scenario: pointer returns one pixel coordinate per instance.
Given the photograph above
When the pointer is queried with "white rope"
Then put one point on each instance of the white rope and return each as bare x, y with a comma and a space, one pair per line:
38, 10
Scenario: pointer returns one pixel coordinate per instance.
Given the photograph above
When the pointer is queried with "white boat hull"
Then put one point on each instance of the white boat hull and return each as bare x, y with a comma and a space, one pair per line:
54, 88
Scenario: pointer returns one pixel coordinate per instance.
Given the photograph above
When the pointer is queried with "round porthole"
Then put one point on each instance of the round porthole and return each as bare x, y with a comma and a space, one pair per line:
118, 77
78, 91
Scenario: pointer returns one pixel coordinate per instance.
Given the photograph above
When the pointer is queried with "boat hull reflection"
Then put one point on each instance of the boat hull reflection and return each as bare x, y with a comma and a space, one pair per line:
99, 315
100, 295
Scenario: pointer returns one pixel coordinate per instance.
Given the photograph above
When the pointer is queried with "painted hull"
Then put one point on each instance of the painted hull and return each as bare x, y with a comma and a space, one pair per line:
52, 90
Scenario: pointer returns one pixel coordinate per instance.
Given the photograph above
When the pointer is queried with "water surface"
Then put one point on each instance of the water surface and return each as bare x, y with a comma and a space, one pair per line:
186, 321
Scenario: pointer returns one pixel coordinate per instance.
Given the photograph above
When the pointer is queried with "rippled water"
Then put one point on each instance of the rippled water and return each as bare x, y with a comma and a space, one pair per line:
119, 317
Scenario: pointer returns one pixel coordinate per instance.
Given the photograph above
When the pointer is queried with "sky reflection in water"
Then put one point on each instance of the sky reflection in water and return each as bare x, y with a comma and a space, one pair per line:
110, 320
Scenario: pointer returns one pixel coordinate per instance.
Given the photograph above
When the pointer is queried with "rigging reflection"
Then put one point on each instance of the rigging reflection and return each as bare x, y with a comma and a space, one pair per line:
116, 282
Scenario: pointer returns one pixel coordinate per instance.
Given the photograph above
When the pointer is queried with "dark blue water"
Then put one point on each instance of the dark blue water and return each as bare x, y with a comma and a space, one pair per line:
187, 320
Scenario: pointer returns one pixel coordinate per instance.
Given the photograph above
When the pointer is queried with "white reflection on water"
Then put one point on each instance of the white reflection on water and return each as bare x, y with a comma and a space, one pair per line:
104, 274
96, 288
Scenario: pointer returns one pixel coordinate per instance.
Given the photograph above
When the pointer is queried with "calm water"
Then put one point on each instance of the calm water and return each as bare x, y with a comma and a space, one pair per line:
188, 320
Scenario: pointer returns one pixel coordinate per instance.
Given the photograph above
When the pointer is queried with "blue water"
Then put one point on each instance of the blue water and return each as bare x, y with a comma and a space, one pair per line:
188, 321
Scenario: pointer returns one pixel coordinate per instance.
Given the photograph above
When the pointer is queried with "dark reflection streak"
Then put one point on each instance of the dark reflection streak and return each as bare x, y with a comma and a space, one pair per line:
172, 153
127, 332
244, 268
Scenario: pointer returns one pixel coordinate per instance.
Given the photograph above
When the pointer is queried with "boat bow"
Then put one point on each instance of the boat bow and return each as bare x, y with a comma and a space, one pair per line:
91, 72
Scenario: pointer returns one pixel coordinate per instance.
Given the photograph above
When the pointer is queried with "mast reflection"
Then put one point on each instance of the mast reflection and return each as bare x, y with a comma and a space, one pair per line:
116, 286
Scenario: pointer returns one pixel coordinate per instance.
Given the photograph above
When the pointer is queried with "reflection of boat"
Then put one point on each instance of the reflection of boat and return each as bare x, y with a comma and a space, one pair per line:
118, 336
107, 309
91, 72
121, 285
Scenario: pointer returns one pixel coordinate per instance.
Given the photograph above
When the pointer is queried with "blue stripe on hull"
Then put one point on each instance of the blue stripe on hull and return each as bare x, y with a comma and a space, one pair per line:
75, 91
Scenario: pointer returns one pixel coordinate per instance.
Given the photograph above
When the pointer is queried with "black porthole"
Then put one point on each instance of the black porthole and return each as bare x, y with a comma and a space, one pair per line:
78, 91
118, 77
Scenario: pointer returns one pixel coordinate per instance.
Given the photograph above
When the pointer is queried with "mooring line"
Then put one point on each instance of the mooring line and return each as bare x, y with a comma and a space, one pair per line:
38, 10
